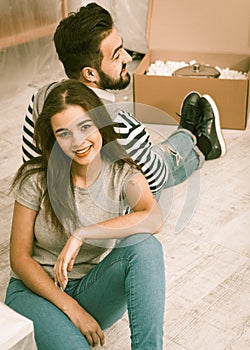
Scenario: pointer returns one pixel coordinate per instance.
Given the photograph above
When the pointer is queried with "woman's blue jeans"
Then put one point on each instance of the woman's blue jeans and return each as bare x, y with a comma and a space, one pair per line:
130, 278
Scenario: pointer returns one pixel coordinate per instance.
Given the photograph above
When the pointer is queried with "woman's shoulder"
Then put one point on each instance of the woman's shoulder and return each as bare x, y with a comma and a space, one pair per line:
29, 175
121, 166
29, 187
120, 172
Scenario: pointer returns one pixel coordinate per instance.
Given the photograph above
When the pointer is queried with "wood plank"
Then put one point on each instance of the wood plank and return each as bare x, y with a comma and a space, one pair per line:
27, 35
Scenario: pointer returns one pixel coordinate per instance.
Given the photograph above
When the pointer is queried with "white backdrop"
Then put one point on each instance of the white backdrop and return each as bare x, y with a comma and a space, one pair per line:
19, 63
130, 18
22, 63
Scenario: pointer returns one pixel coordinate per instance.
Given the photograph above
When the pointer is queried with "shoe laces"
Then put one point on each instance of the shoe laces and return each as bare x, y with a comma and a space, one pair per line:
202, 126
190, 114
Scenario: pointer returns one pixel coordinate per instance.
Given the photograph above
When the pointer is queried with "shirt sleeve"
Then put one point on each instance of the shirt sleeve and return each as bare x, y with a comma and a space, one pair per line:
128, 173
29, 193
133, 136
29, 149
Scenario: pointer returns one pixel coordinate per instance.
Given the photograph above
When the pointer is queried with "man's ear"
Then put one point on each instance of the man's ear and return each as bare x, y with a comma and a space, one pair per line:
89, 74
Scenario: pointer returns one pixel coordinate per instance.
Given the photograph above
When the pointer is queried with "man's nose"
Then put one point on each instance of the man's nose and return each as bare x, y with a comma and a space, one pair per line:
126, 57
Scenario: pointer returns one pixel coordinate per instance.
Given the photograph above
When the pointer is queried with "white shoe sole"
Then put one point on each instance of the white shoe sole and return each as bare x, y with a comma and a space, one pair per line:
217, 124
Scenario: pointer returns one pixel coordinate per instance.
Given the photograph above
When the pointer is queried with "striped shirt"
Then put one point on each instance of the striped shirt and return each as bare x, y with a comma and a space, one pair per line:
132, 135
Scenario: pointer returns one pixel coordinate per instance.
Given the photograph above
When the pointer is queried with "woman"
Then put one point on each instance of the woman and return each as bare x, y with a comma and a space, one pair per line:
82, 247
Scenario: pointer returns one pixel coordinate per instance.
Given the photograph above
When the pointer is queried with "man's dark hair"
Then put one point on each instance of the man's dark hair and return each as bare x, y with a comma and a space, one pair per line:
78, 37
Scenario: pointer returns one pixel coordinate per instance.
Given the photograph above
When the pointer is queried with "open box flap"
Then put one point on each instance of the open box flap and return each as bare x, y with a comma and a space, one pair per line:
195, 25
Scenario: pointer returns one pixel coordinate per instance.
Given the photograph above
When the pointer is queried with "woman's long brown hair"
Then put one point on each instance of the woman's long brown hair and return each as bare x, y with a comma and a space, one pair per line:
54, 165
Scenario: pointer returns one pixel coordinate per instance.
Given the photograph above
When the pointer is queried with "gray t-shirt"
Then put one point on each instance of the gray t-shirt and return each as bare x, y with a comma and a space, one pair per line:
103, 200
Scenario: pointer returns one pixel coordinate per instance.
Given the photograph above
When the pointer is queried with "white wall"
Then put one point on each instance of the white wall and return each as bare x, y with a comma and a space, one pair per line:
104, 3
129, 17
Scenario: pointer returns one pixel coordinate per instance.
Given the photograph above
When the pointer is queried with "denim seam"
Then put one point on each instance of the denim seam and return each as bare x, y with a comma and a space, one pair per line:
132, 314
94, 278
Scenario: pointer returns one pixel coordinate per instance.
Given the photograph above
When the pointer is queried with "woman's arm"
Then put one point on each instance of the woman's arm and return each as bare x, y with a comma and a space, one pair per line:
36, 278
145, 218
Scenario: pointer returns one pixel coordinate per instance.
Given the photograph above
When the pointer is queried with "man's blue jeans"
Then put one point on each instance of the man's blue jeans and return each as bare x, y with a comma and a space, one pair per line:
181, 155
130, 278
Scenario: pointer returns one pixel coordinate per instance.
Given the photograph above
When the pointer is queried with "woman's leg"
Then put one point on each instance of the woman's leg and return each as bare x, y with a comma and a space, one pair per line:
131, 276
53, 329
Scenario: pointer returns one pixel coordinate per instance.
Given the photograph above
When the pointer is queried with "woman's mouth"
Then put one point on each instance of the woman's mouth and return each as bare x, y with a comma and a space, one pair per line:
83, 152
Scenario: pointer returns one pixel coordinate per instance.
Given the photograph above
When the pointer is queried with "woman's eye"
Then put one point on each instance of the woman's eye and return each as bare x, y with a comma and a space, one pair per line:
63, 134
85, 126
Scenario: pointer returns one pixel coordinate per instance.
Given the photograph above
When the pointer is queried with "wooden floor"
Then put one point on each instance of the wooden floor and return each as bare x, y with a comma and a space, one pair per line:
206, 244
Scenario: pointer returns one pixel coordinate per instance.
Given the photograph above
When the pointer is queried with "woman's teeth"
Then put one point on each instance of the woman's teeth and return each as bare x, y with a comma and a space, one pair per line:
83, 150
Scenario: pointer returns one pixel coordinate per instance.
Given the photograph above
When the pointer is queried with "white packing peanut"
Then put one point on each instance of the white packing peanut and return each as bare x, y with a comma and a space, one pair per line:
167, 68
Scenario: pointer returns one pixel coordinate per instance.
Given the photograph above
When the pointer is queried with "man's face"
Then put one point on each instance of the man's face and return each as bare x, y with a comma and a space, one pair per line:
113, 73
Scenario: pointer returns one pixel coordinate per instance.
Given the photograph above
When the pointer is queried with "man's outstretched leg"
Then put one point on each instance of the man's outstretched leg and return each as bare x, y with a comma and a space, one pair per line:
209, 130
197, 138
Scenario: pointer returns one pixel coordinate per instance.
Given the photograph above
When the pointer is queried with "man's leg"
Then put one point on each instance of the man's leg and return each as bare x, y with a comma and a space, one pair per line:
181, 155
209, 131
198, 138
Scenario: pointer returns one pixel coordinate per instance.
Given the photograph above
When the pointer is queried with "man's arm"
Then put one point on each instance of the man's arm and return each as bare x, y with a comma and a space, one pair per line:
133, 136
29, 150
35, 107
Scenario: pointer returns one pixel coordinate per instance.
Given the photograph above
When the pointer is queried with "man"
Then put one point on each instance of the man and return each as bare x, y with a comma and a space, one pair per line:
91, 50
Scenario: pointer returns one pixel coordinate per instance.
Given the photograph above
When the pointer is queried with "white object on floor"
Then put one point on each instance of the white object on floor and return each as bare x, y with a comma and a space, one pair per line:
16, 331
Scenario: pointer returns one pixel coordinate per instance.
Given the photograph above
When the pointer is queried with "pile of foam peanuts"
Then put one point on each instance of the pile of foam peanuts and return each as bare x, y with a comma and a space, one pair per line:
169, 67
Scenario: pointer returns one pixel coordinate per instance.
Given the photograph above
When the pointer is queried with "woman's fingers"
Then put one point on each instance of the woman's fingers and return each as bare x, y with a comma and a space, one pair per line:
60, 271
72, 260
101, 336
60, 276
86, 324
65, 261
94, 338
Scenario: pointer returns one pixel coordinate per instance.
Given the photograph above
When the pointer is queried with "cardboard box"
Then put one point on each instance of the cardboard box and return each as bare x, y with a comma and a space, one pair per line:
166, 93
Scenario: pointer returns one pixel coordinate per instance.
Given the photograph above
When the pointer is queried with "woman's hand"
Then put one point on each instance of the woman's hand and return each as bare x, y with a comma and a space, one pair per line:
85, 323
65, 261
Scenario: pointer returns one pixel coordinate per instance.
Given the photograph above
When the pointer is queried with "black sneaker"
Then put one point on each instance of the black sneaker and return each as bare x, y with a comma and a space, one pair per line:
190, 112
209, 129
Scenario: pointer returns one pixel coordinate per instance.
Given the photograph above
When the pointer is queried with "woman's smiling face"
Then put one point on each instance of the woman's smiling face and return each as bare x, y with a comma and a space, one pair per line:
77, 135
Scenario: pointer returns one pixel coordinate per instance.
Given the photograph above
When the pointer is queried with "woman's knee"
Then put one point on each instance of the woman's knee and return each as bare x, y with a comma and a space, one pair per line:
143, 245
151, 248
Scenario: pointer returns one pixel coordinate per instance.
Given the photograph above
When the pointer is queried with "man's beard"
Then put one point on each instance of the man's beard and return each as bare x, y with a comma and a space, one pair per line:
113, 84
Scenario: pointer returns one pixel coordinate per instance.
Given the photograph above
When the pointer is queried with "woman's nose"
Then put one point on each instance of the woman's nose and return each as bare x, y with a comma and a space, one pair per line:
78, 139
